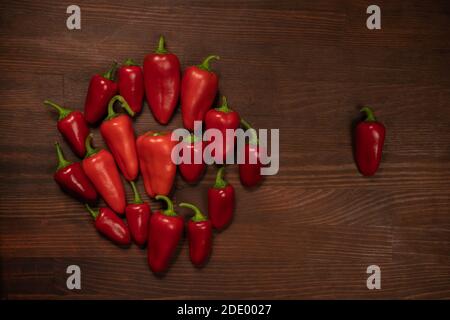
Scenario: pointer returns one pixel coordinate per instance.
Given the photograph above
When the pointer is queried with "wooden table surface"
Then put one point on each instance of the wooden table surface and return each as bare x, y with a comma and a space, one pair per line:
304, 67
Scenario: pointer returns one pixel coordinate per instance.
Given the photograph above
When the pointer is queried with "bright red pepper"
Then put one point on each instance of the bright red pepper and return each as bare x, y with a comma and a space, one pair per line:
118, 133
191, 172
222, 118
110, 225
250, 170
130, 80
166, 229
221, 202
101, 90
101, 169
199, 231
162, 82
72, 179
155, 161
369, 140
138, 215
198, 90
73, 127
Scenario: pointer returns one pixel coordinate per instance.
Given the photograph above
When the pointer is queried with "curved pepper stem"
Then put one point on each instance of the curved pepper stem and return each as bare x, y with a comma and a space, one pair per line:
111, 72
220, 181
169, 211
62, 162
224, 107
205, 64
198, 216
161, 46
254, 138
90, 150
129, 62
123, 104
94, 213
137, 196
369, 114
190, 138
63, 112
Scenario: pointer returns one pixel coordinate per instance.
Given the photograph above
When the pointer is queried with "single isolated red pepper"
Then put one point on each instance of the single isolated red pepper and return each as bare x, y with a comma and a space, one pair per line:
110, 225
118, 133
250, 171
166, 229
162, 82
101, 89
138, 215
198, 90
369, 140
191, 172
222, 118
73, 127
130, 80
101, 169
221, 202
72, 179
199, 231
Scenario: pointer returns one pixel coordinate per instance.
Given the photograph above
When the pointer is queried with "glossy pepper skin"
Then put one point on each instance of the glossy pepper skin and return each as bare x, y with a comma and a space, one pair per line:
191, 172
250, 170
110, 225
162, 82
72, 179
101, 89
198, 90
199, 230
222, 118
369, 140
138, 215
221, 202
73, 127
118, 133
101, 169
158, 171
166, 229
130, 80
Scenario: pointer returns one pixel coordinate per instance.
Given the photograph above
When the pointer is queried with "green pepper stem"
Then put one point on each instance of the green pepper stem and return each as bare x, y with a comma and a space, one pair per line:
129, 62
169, 211
205, 64
220, 181
111, 72
89, 149
94, 213
137, 196
63, 112
369, 114
254, 138
190, 138
224, 107
198, 216
161, 49
123, 104
62, 162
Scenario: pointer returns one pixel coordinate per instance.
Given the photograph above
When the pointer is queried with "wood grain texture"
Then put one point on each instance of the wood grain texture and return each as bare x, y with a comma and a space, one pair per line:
304, 67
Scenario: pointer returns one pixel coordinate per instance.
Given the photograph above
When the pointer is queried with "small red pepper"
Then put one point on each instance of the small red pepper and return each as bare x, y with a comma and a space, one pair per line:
110, 225
250, 173
166, 229
198, 90
72, 179
191, 172
199, 231
118, 133
138, 215
369, 140
130, 80
73, 127
101, 89
220, 202
101, 169
162, 82
222, 118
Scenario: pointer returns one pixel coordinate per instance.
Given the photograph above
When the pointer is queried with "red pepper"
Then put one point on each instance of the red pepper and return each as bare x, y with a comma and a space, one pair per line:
130, 81
102, 171
369, 140
110, 225
118, 133
155, 161
162, 82
166, 229
220, 202
101, 90
73, 127
198, 90
138, 215
72, 179
250, 173
191, 172
199, 231
222, 118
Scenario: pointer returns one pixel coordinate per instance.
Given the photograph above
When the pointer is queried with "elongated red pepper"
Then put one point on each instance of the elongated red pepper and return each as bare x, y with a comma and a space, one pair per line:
110, 225
162, 82
221, 202
73, 127
198, 90
222, 118
118, 133
101, 169
101, 89
250, 172
166, 229
191, 172
155, 161
130, 80
199, 231
369, 140
138, 215
72, 179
